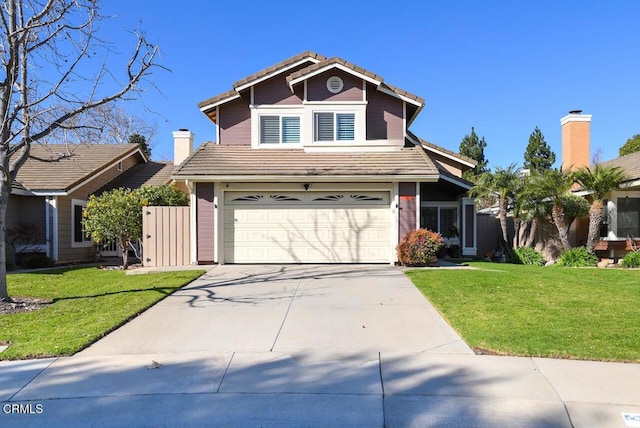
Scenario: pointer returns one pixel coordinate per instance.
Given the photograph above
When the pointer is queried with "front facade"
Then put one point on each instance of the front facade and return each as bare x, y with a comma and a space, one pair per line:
314, 163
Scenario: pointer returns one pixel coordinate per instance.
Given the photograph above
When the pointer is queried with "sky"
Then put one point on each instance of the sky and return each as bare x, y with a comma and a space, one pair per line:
501, 67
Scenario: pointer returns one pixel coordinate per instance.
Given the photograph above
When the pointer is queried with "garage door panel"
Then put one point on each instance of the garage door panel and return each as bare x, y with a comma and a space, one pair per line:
260, 231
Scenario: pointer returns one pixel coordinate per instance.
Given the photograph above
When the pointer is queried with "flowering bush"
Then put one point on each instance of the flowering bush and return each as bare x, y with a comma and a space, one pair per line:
419, 248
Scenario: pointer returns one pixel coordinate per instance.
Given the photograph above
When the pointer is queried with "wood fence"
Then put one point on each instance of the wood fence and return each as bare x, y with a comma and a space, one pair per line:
165, 236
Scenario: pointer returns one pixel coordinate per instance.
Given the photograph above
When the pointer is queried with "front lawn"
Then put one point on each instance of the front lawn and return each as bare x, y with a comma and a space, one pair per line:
87, 304
555, 312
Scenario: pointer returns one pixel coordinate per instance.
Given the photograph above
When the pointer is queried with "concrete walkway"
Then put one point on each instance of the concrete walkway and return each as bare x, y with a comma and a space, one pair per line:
307, 346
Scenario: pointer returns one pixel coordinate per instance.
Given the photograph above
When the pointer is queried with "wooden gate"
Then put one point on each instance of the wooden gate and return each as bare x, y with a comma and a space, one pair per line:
165, 236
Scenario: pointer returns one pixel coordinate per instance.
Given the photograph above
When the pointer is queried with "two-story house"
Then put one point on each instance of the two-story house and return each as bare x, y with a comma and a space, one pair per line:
314, 163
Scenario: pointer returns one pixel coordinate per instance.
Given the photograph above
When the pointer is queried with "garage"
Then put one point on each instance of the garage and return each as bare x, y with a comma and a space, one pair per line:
307, 227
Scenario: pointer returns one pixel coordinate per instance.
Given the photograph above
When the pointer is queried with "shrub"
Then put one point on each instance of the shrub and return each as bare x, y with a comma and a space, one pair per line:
39, 261
631, 260
578, 257
527, 256
419, 247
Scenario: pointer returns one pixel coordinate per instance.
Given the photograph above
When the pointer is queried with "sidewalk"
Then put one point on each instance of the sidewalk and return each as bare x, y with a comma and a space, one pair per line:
313, 389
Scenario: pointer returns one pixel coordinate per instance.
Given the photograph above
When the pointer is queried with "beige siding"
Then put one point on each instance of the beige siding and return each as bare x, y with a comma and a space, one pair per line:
165, 232
384, 116
317, 87
234, 120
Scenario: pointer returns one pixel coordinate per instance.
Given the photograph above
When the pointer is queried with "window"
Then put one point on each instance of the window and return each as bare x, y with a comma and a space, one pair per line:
277, 129
329, 126
439, 219
78, 237
628, 217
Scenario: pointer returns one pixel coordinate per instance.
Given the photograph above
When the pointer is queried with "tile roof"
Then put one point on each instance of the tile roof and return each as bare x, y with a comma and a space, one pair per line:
142, 174
441, 149
357, 69
630, 164
242, 161
284, 64
59, 167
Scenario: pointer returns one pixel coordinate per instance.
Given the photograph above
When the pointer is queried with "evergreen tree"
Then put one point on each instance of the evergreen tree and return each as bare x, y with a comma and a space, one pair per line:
473, 147
142, 141
538, 157
631, 146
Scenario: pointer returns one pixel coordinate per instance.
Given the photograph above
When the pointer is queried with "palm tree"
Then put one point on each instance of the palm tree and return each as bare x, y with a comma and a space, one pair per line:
598, 182
501, 184
529, 208
554, 185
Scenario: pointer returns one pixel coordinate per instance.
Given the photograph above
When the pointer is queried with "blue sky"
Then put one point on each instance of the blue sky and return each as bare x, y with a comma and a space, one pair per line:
502, 67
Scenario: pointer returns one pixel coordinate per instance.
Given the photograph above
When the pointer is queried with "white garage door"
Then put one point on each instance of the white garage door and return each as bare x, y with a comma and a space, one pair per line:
307, 227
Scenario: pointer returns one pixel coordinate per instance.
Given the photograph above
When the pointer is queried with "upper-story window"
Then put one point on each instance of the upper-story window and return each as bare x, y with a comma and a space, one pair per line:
334, 126
279, 129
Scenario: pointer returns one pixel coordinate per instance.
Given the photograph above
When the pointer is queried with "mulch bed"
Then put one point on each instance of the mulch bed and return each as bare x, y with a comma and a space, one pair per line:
22, 304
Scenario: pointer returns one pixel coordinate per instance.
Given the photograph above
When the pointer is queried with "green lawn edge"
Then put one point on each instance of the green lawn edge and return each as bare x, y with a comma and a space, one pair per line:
88, 303
531, 311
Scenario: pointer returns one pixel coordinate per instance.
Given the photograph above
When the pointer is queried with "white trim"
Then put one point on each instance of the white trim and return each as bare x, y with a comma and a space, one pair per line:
209, 106
47, 227
50, 193
53, 203
364, 90
216, 222
575, 118
84, 243
342, 146
276, 72
439, 152
358, 108
119, 166
219, 234
289, 111
315, 186
328, 104
401, 97
456, 182
327, 67
300, 179
218, 126
404, 119
395, 222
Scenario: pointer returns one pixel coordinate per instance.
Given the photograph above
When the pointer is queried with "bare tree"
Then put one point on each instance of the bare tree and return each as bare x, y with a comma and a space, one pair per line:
55, 73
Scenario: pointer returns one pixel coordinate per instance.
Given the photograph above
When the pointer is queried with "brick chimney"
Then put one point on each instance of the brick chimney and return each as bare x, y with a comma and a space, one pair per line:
182, 145
575, 140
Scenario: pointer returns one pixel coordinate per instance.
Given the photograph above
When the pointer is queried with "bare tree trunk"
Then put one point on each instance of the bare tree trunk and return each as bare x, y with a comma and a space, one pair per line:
5, 189
125, 253
532, 232
595, 218
560, 222
502, 216
517, 224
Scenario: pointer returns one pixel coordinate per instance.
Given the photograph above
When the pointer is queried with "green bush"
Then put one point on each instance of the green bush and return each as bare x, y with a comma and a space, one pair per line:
39, 261
578, 257
631, 260
419, 248
527, 256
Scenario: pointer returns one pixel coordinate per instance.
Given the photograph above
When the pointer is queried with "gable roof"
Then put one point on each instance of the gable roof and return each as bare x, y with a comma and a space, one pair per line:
367, 75
142, 174
219, 162
61, 168
630, 164
434, 148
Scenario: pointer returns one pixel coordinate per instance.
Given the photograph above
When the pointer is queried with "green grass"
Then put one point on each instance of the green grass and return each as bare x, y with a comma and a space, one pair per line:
87, 304
554, 312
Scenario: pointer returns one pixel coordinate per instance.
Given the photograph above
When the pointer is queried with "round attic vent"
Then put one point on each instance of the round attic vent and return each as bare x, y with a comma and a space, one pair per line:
334, 84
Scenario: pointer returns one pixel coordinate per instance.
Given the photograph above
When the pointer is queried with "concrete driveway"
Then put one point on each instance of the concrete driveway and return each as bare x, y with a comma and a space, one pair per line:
290, 346
293, 308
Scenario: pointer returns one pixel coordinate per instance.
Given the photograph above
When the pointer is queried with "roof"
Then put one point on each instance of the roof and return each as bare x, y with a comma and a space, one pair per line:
61, 167
366, 73
630, 164
233, 93
142, 174
213, 160
434, 147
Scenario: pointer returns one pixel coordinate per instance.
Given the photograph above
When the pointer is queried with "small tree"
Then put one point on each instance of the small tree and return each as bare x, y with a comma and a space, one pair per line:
631, 146
473, 147
142, 142
598, 181
116, 216
538, 157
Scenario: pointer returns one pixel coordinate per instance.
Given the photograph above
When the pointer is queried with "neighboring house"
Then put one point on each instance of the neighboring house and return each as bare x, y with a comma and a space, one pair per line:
314, 163
53, 185
622, 217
